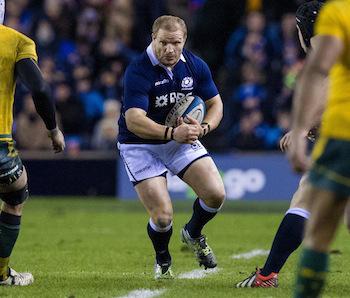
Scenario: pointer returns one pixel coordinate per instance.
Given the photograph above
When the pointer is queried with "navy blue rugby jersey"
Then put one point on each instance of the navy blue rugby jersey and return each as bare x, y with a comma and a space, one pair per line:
150, 86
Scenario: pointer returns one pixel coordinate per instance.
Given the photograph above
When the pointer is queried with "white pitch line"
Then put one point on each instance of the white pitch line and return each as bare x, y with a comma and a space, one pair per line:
251, 254
198, 273
143, 293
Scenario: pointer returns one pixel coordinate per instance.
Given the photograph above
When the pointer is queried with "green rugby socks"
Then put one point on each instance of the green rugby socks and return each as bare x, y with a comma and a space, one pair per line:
311, 274
9, 230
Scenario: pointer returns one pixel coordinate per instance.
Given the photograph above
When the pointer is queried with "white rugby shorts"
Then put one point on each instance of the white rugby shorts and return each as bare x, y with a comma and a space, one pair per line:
143, 161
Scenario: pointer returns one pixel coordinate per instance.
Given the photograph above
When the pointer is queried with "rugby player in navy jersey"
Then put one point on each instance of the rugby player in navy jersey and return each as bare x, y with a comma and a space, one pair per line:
153, 83
291, 230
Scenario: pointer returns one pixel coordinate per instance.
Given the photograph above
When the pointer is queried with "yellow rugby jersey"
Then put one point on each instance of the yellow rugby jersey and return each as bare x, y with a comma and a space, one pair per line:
14, 47
334, 20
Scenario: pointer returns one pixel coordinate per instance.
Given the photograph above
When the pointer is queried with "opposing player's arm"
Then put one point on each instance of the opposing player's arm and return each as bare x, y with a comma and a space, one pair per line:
310, 88
308, 92
315, 40
29, 73
316, 121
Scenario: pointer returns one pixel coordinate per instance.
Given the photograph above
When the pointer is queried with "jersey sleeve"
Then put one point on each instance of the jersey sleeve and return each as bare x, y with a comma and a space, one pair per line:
330, 21
25, 48
136, 89
206, 87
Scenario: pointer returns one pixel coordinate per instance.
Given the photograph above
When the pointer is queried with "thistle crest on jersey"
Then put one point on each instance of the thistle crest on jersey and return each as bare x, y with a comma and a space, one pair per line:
2, 11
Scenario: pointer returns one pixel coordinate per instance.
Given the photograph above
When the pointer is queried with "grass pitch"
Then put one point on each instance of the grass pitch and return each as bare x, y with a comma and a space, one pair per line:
99, 248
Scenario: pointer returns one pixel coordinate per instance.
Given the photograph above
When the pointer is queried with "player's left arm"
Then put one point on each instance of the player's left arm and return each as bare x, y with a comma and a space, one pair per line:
209, 92
30, 75
215, 109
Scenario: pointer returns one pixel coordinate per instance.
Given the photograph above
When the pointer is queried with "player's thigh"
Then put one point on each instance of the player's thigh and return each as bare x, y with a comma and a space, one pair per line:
326, 211
12, 172
13, 179
154, 195
18, 184
204, 178
300, 198
142, 161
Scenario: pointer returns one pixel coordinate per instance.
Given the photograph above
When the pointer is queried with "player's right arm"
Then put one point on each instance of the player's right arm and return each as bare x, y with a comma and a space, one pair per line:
144, 127
29, 73
136, 100
312, 133
309, 89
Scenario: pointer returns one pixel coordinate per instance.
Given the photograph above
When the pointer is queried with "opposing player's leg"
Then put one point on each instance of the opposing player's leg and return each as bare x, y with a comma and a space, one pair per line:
13, 196
330, 190
288, 238
154, 196
204, 178
326, 212
347, 215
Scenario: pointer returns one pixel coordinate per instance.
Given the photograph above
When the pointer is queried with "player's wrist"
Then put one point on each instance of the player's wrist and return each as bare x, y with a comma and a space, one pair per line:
301, 131
172, 134
166, 133
53, 132
169, 133
205, 129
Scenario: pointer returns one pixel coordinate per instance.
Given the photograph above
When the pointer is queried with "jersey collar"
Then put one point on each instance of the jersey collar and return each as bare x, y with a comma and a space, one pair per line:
155, 61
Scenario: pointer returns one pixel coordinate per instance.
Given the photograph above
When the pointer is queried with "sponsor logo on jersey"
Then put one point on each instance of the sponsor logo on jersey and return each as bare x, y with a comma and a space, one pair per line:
166, 99
146, 168
187, 83
161, 82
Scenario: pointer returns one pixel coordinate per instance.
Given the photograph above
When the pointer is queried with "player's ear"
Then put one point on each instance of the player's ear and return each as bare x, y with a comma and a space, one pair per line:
154, 36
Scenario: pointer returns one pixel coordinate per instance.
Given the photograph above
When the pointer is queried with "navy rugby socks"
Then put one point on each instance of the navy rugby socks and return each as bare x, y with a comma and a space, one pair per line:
287, 239
160, 238
9, 230
201, 215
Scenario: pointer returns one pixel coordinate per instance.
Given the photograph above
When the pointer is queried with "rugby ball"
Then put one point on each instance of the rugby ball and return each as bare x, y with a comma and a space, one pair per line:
189, 105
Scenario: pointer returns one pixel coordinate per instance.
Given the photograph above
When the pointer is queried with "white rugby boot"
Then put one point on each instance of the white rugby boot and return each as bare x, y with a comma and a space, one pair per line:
17, 279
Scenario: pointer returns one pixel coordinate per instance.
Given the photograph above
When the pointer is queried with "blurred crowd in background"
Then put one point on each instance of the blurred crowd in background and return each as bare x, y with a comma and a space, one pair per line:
84, 47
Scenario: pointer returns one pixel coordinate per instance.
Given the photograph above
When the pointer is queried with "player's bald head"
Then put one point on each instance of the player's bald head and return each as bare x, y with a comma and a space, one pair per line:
2, 11
169, 23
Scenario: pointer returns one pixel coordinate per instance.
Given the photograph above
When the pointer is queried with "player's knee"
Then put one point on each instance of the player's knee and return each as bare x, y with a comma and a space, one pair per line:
164, 221
15, 198
216, 198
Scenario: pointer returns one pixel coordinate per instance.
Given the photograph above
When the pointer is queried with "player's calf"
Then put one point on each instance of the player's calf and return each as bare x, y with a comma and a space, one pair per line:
347, 215
10, 221
160, 237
